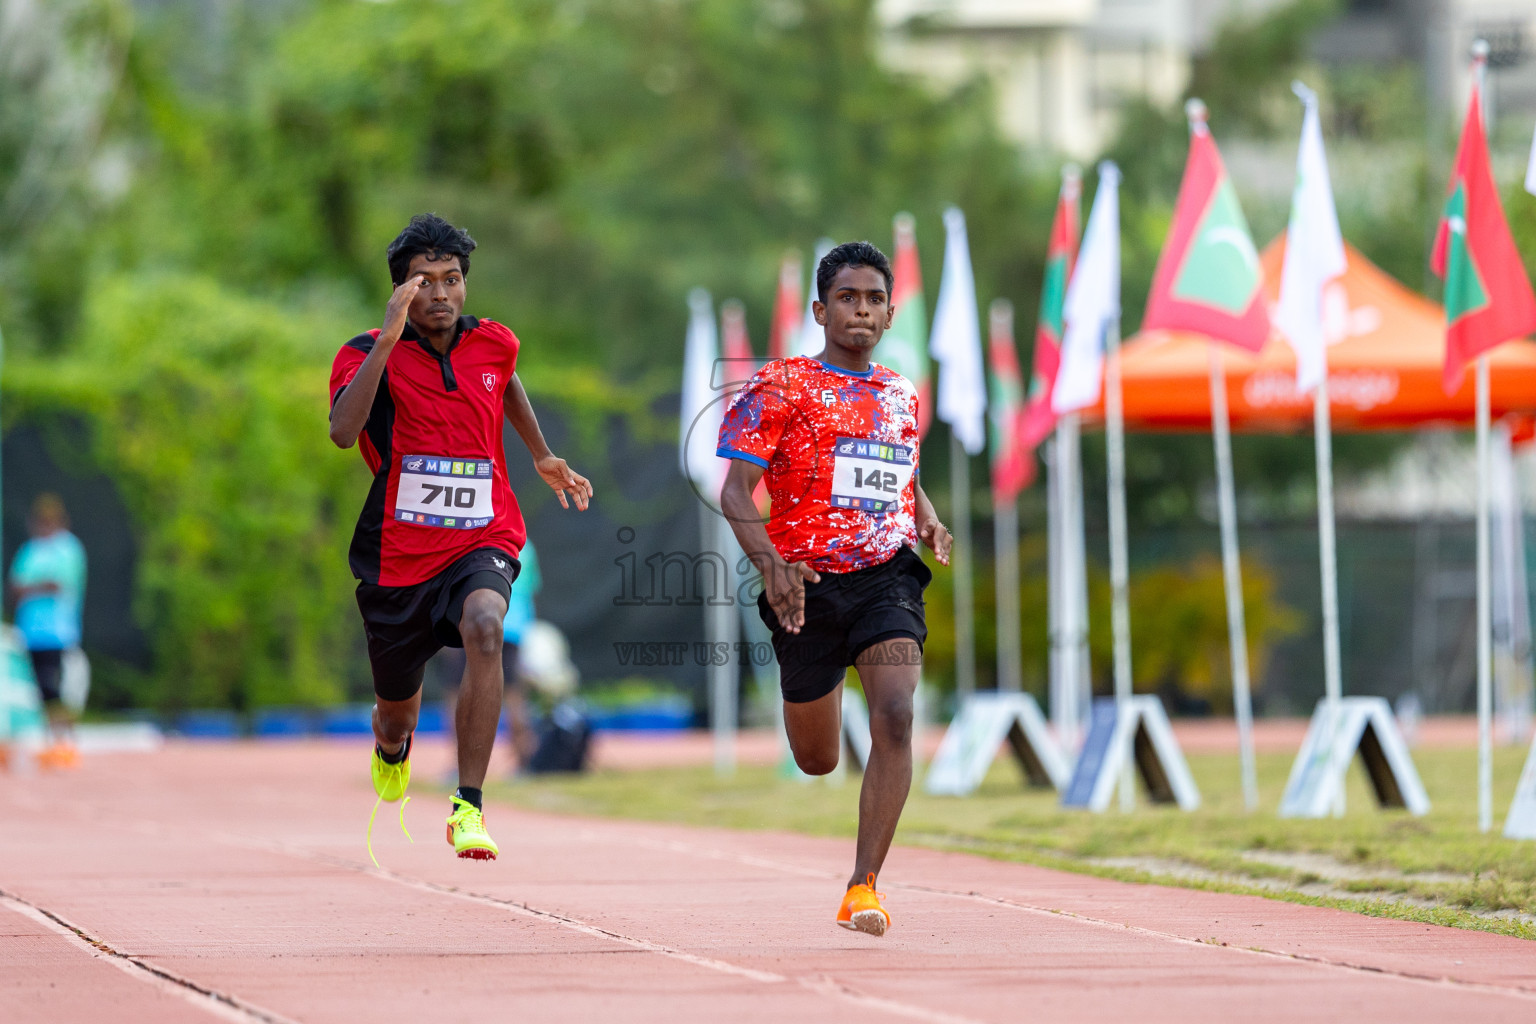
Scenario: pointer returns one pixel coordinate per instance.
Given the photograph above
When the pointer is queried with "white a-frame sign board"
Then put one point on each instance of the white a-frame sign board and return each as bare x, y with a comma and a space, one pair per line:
1521, 822
1141, 731
977, 733
1366, 725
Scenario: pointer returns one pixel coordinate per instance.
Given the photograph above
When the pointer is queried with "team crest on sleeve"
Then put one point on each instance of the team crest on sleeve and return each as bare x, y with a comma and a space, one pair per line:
490, 381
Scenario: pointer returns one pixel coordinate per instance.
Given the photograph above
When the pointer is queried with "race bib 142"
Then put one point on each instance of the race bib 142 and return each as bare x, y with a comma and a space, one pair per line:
869, 475
444, 492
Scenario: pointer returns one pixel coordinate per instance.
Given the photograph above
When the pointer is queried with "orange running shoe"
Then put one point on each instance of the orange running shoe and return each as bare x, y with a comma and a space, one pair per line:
60, 755
861, 910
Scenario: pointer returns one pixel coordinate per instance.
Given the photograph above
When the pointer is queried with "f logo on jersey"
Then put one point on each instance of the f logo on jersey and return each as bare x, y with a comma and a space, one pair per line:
828, 397
490, 381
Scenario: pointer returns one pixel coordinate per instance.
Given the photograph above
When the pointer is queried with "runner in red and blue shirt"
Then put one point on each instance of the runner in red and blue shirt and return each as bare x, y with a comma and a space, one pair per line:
436, 545
836, 439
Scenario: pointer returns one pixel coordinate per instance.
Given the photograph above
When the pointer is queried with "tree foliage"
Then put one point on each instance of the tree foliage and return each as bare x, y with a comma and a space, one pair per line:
206, 405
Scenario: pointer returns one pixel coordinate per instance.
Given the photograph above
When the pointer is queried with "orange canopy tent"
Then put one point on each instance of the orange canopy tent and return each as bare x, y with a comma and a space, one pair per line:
1386, 353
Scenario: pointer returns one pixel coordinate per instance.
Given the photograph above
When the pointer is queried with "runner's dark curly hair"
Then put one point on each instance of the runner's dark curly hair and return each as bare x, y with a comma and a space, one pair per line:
428, 234
850, 254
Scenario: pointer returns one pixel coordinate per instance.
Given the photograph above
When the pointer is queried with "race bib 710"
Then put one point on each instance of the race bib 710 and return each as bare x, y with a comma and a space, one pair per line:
869, 475
451, 493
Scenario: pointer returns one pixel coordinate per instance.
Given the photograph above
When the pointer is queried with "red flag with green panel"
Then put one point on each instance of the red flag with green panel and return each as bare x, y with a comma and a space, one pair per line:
787, 310
1488, 298
904, 348
1038, 420
1012, 467
1208, 278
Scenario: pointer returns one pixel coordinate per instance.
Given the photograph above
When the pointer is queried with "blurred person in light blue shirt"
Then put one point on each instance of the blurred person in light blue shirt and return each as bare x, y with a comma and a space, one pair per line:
47, 582
520, 615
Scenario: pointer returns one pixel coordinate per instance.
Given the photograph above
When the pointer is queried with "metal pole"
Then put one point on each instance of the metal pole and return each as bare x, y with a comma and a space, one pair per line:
1083, 691
719, 622
1232, 575
1005, 532
1053, 569
1073, 583
1484, 613
965, 611
1484, 571
1333, 684
1119, 559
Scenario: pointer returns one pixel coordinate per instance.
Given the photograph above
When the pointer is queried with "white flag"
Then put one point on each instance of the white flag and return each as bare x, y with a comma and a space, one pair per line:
813, 336
1314, 253
955, 342
1530, 172
702, 408
1093, 300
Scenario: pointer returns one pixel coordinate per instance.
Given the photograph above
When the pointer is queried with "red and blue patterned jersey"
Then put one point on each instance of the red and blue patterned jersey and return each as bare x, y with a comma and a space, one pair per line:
839, 452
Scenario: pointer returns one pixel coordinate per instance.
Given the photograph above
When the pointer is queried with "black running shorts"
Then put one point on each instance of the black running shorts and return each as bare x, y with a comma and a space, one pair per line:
407, 625
48, 670
845, 614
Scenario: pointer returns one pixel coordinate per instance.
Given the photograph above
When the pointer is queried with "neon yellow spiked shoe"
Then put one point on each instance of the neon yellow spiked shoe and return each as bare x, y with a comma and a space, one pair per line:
466, 832
389, 782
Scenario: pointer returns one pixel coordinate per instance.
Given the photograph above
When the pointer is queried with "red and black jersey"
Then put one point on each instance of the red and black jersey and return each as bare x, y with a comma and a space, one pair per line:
434, 443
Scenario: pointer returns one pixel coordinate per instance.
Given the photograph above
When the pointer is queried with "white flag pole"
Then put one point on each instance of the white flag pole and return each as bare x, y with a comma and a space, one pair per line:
1484, 571
1005, 537
1010, 669
1333, 681
1072, 622
955, 342
1232, 575
1314, 255
1119, 557
1231, 566
1484, 611
1082, 677
699, 426
721, 629
960, 564
1053, 574
1090, 311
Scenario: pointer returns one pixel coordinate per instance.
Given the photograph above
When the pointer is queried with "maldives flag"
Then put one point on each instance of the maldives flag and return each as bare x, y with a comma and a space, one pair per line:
1038, 420
1012, 467
1208, 278
904, 348
785, 329
735, 346
1487, 296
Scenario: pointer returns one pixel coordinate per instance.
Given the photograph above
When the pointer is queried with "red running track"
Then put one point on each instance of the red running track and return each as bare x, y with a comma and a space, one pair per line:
229, 882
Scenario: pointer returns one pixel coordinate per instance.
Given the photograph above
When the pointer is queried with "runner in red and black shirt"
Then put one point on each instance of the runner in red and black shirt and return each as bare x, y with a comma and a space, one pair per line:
435, 549
836, 439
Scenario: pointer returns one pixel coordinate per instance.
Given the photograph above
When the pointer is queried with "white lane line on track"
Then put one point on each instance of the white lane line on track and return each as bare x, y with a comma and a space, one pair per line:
677, 846
1517, 991
829, 986
578, 925
220, 1004
820, 984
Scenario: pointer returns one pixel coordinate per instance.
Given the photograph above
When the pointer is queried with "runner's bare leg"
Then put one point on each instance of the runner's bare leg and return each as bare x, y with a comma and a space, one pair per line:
815, 730
479, 708
394, 720
889, 672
